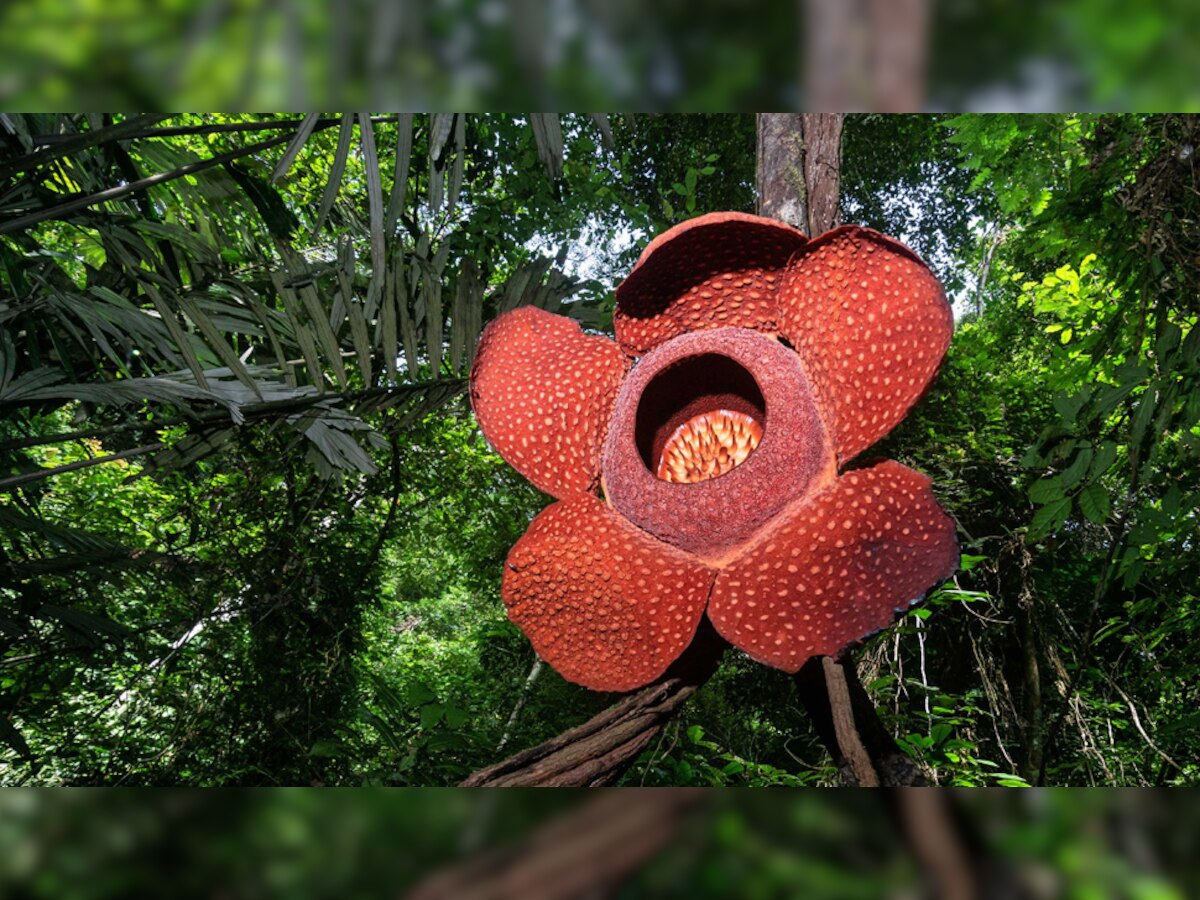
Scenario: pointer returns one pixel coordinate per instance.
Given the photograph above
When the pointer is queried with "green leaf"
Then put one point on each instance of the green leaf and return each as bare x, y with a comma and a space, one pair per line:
266, 199
548, 135
404, 129
418, 693
375, 210
1143, 415
92, 628
9, 735
1094, 504
1171, 336
294, 146
1032, 459
431, 715
1050, 517
345, 131
1046, 490
1105, 456
1068, 405
1191, 345
1072, 475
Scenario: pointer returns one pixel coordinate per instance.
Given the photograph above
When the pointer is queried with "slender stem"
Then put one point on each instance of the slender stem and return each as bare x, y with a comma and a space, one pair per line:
511, 725
249, 411
848, 738
116, 193
66, 144
18, 480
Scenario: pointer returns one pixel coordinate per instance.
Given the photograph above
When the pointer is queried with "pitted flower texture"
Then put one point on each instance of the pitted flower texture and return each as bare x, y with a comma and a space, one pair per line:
763, 364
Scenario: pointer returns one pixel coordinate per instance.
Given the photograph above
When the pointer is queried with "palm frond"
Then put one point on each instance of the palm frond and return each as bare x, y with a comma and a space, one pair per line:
201, 313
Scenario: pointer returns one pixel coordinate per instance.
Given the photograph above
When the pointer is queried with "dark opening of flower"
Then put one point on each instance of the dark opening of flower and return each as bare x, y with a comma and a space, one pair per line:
698, 418
768, 363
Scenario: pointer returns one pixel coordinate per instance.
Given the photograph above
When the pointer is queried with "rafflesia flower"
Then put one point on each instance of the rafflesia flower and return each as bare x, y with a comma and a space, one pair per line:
751, 367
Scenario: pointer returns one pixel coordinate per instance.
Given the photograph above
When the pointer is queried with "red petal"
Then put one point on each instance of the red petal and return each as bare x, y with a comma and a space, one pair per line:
872, 324
543, 392
837, 569
713, 271
605, 604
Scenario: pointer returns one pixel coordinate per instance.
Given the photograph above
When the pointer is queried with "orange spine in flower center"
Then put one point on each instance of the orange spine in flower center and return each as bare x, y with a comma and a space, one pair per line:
708, 445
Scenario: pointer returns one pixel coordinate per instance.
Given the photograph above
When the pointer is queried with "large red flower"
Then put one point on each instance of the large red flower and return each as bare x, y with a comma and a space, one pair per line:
751, 366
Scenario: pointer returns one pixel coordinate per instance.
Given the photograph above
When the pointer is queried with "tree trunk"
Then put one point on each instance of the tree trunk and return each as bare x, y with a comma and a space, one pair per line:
866, 54
782, 192
799, 169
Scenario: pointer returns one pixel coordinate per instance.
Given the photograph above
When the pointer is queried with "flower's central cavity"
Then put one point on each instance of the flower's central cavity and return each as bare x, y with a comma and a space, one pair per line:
699, 418
708, 445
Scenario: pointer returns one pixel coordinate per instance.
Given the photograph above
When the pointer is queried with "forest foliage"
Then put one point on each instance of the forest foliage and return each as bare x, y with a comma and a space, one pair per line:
250, 534
246, 54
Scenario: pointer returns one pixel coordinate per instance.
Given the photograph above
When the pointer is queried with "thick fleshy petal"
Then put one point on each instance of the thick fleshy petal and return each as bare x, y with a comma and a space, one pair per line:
872, 324
837, 569
543, 392
718, 270
605, 604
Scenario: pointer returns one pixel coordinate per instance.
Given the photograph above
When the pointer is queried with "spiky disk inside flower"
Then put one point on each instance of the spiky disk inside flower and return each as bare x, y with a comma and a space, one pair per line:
708, 445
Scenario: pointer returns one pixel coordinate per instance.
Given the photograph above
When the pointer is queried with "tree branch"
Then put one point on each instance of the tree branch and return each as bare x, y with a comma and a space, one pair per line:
584, 852
860, 728
848, 739
601, 749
